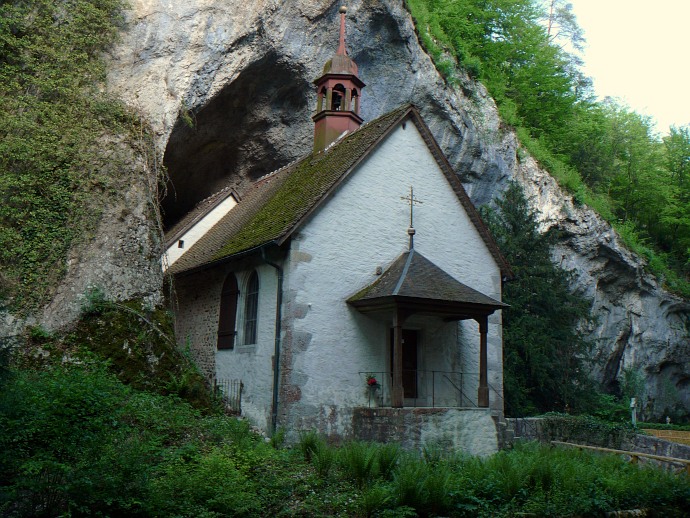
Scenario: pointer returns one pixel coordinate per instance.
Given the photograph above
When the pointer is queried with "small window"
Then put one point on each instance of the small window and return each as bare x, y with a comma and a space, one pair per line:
228, 313
180, 243
251, 309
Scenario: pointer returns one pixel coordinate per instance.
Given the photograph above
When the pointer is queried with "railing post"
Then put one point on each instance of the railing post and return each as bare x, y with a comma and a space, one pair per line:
433, 389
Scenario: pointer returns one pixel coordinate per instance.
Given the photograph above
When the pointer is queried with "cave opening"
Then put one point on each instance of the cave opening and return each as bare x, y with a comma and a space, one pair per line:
257, 123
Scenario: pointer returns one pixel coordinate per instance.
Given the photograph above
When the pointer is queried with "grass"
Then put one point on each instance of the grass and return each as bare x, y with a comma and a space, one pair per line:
75, 440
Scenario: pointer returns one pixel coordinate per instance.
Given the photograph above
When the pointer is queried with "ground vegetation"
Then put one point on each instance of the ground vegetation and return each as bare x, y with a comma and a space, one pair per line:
76, 441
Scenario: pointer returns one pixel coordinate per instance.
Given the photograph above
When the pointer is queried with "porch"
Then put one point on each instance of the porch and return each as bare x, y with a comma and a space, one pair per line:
426, 389
412, 288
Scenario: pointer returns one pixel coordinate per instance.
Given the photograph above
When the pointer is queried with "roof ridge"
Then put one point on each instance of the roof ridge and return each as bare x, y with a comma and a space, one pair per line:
226, 188
282, 168
405, 269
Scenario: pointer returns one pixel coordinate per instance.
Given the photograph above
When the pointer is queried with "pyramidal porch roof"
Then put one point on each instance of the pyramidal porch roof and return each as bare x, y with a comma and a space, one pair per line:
415, 284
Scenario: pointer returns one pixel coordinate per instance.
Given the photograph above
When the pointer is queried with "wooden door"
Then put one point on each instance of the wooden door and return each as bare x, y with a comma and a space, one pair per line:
410, 341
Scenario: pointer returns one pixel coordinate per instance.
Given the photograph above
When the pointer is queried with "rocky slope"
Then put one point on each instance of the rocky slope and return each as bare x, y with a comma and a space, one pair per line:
227, 88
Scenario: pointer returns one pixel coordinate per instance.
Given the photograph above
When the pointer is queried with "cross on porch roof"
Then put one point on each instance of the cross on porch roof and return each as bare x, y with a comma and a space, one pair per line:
412, 200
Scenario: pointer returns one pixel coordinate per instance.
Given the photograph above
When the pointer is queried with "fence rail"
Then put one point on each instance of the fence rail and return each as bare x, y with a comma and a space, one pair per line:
425, 388
634, 455
231, 393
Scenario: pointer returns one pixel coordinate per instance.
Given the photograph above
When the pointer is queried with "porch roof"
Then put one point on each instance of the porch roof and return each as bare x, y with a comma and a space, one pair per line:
415, 284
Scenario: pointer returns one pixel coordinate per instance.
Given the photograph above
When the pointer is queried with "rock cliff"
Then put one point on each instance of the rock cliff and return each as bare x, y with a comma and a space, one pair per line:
227, 88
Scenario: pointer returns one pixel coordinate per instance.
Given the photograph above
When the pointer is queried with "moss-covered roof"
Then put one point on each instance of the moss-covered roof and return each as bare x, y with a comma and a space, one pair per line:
278, 202
275, 205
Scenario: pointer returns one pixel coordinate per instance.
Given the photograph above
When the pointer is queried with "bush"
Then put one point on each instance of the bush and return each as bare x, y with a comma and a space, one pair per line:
358, 461
205, 485
76, 441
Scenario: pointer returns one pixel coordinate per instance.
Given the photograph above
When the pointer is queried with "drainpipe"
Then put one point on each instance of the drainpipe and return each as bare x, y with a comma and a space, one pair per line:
276, 353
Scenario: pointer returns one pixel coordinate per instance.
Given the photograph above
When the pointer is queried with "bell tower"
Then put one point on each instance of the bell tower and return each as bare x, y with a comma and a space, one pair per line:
339, 91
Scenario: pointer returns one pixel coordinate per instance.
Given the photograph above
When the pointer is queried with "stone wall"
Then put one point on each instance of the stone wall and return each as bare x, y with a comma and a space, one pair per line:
196, 327
532, 429
454, 430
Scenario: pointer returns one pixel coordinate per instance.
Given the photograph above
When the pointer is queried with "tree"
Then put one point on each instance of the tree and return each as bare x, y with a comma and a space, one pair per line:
561, 24
545, 354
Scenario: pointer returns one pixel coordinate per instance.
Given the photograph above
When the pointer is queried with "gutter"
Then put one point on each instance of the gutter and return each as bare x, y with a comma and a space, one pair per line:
276, 353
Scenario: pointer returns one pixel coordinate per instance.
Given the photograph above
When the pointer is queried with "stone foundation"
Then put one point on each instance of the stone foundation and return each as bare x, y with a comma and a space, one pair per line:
460, 430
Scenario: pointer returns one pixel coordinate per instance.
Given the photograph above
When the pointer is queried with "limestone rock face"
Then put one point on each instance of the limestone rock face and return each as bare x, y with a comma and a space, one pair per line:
227, 87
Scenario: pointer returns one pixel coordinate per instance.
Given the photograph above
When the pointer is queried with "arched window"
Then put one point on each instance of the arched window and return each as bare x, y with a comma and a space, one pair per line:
228, 313
322, 97
355, 101
251, 309
338, 97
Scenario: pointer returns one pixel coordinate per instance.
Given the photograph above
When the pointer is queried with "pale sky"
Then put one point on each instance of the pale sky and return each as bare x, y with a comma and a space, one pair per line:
639, 51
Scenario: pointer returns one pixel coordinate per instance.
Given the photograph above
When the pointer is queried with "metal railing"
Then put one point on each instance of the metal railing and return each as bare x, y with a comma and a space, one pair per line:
425, 388
230, 392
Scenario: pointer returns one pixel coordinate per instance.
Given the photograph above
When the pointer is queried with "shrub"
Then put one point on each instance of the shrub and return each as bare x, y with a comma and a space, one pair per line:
387, 456
309, 442
206, 485
358, 461
323, 459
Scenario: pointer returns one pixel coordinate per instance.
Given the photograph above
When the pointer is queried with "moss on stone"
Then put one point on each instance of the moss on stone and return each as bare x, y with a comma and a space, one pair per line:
137, 343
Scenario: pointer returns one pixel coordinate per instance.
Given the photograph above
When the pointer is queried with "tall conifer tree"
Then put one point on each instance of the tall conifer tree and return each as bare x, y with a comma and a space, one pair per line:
545, 354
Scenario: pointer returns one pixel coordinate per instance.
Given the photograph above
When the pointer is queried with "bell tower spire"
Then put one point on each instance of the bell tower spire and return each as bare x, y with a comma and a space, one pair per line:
338, 92
342, 51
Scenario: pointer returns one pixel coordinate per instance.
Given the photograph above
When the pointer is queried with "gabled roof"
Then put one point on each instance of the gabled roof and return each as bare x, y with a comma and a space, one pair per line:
276, 205
200, 210
413, 277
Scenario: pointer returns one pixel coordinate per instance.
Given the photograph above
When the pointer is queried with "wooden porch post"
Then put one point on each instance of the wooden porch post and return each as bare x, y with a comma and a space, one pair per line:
397, 392
483, 395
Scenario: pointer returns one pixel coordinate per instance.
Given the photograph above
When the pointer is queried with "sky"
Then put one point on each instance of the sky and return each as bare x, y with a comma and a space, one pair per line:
639, 52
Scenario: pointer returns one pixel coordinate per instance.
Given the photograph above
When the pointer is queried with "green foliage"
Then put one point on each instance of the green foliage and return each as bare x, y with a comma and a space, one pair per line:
76, 441
324, 458
388, 456
358, 461
545, 356
208, 484
309, 442
58, 136
607, 156
664, 426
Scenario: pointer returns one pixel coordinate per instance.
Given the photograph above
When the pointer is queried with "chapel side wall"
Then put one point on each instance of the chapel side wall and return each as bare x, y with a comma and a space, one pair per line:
328, 345
196, 317
196, 324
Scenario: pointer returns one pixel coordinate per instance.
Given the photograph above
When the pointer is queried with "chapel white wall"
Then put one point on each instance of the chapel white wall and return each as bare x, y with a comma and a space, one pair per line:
336, 253
174, 251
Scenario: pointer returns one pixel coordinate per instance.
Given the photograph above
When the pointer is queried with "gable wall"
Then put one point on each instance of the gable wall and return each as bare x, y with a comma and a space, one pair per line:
328, 345
174, 252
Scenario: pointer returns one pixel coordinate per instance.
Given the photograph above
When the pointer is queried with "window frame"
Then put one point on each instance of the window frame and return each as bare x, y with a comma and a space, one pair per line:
250, 316
227, 314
